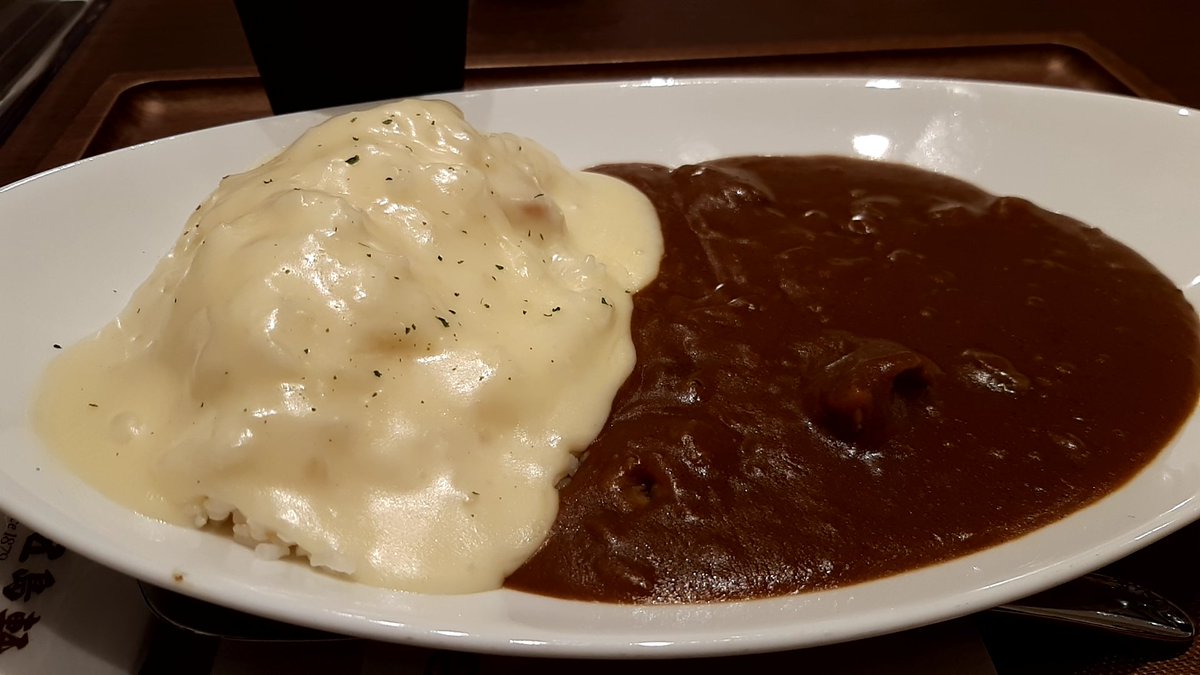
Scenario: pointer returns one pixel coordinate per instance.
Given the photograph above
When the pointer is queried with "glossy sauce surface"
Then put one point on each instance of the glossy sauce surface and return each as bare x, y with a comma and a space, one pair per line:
848, 369
378, 350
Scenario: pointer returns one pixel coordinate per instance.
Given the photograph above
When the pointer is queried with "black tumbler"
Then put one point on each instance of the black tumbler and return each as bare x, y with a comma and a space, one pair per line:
320, 54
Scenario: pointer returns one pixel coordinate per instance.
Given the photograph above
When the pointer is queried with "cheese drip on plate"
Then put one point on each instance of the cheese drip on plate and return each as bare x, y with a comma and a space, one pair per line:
381, 349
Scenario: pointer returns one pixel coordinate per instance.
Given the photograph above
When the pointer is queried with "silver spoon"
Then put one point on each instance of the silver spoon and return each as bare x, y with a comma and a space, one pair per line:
1093, 601
1103, 602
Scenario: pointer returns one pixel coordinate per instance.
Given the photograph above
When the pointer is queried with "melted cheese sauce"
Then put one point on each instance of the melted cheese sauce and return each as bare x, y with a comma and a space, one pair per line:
380, 349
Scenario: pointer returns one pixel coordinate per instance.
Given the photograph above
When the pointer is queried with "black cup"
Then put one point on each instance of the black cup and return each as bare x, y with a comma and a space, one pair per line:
322, 54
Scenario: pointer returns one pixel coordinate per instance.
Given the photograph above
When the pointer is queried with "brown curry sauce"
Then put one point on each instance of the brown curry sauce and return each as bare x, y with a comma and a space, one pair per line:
848, 369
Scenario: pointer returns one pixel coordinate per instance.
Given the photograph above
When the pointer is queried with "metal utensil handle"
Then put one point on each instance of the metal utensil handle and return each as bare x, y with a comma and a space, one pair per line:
1099, 601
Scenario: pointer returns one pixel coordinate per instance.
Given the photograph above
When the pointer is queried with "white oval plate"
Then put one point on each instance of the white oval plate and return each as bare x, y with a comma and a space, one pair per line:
76, 241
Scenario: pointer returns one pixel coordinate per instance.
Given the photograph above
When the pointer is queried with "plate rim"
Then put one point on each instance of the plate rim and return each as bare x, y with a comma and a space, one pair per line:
766, 640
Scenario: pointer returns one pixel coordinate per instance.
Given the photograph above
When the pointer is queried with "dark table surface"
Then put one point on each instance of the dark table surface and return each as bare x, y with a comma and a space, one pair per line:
1152, 42
1147, 49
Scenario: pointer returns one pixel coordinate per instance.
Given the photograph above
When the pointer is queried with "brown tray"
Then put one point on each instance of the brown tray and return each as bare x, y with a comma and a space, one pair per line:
129, 110
134, 108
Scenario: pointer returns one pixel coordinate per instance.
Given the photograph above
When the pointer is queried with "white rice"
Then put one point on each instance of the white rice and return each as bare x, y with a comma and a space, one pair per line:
266, 542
